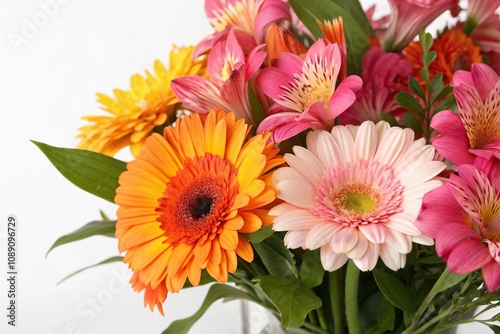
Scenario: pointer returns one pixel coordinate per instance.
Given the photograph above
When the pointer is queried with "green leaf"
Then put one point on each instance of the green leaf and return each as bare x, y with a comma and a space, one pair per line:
426, 40
428, 58
260, 235
356, 39
311, 270
110, 260
409, 102
424, 73
216, 292
446, 104
452, 280
394, 291
494, 328
410, 121
436, 83
258, 113
93, 172
442, 93
105, 228
389, 118
293, 299
386, 316
354, 8
415, 87
276, 257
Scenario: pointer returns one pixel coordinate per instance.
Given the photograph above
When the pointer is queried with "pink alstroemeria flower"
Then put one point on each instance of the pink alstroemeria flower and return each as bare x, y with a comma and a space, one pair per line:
408, 17
476, 131
305, 92
229, 75
249, 19
463, 216
384, 75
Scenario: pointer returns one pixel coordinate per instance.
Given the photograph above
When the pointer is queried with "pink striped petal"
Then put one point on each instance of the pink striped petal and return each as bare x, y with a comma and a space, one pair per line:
330, 260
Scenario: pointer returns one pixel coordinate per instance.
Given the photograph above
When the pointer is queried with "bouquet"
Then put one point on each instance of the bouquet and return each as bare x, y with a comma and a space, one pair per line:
339, 170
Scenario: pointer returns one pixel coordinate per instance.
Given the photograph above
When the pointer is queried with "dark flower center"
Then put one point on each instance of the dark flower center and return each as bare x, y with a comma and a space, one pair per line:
201, 206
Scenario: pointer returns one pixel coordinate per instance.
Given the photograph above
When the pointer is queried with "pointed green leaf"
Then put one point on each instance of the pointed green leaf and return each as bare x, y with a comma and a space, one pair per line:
436, 83
495, 329
394, 291
258, 113
416, 88
276, 257
446, 104
216, 292
311, 270
293, 299
93, 172
410, 121
442, 93
356, 39
353, 7
452, 280
110, 260
259, 235
389, 118
105, 228
409, 102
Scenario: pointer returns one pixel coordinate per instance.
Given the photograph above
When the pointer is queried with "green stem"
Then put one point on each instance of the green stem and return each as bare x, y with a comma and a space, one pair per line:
335, 280
321, 317
430, 296
351, 298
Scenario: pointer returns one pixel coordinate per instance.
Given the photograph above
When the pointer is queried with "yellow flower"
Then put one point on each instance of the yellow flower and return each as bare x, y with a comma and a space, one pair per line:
187, 197
135, 113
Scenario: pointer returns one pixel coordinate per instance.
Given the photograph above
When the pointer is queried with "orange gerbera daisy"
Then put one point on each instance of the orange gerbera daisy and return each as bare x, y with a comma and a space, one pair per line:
135, 113
185, 199
455, 51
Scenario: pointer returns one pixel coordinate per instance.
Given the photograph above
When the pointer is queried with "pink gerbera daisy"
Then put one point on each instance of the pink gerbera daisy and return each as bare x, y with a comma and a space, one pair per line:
355, 193
464, 218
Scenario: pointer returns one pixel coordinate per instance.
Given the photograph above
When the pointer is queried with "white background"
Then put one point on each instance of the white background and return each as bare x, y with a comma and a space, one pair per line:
48, 79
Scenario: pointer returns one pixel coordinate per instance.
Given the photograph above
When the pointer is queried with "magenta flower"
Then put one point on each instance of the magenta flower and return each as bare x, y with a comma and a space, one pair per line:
305, 92
229, 75
384, 75
476, 131
408, 17
248, 18
355, 193
463, 216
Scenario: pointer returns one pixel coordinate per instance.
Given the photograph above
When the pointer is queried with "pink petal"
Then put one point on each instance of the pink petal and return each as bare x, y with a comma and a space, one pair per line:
369, 260
320, 234
391, 257
452, 143
468, 256
344, 240
373, 232
234, 93
484, 78
330, 260
290, 63
325, 148
295, 239
491, 275
453, 234
271, 80
462, 77
366, 141
254, 61
306, 163
295, 219
359, 250
293, 188
270, 11
341, 99
284, 125
439, 205
198, 94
